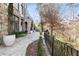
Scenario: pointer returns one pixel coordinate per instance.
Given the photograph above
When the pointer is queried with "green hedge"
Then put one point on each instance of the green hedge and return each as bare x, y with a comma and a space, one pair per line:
20, 34
40, 51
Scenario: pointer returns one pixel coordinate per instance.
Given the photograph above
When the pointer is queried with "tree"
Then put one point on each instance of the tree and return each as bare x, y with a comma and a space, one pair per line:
50, 14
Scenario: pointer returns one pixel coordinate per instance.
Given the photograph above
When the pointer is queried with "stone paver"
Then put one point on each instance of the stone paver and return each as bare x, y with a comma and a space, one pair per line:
20, 45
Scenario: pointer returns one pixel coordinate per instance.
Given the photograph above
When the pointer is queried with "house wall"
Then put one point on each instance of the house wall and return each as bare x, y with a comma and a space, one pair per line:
28, 19
3, 20
18, 13
23, 17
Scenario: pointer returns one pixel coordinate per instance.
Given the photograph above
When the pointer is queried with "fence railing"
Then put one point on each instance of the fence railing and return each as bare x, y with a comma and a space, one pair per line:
58, 48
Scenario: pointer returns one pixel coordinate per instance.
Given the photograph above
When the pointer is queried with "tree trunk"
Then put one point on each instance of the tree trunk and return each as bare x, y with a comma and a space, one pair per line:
52, 38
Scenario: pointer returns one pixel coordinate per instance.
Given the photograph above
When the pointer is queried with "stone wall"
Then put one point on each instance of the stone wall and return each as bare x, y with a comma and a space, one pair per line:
3, 20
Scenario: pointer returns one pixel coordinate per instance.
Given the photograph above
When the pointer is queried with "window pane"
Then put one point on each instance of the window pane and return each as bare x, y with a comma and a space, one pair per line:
16, 25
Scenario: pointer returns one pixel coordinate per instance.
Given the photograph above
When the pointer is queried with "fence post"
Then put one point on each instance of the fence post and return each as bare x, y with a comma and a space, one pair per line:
52, 46
71, 52
77, 53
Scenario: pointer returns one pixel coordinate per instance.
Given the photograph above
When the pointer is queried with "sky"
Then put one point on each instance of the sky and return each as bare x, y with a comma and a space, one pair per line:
64, 9
67, 11
32, 9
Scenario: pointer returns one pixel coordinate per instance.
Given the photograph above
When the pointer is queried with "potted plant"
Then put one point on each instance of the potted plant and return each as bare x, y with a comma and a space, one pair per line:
9, 40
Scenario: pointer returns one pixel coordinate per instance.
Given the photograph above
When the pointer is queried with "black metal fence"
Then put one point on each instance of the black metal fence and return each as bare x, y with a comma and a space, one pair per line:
58, 48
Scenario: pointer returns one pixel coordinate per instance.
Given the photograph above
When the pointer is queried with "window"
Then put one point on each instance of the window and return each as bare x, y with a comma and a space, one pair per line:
16, 24
28, 18
17, 6
22, 8
0, 27
22, 23
0, 23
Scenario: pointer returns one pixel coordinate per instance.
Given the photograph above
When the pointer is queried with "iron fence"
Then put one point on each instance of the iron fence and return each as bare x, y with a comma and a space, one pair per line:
58, 48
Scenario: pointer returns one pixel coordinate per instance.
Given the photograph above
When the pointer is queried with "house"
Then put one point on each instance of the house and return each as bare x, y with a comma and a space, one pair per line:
19, 23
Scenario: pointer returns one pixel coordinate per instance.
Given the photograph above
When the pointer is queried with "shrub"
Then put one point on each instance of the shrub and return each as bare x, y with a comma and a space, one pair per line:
20, 34
40, 33
40, 50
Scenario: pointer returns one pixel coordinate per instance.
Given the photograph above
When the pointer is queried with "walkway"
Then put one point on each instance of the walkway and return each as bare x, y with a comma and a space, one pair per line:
45, 46
19, 48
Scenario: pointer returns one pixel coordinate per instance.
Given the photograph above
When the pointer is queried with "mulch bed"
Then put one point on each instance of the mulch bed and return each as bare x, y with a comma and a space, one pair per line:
32, 49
